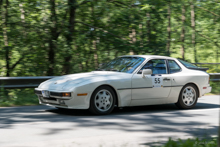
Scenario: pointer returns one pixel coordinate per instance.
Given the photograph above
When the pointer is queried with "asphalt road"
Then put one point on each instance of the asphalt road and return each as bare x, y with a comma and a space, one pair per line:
31, 126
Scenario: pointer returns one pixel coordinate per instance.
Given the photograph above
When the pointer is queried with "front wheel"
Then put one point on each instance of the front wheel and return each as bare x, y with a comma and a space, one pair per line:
102, 101
188, 97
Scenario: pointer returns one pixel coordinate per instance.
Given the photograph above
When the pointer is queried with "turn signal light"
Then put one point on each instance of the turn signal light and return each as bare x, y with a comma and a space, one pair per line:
66, 94
82, 94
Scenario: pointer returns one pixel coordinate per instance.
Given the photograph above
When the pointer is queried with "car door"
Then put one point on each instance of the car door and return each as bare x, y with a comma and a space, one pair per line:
155, 86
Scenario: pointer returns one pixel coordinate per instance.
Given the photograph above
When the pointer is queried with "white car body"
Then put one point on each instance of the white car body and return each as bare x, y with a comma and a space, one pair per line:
131, 88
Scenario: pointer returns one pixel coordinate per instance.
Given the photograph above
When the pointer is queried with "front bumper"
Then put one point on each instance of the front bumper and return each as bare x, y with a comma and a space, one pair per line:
56, 100
53, 98
209, 89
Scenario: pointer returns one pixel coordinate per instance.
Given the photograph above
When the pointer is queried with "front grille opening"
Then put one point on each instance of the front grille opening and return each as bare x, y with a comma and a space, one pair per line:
56, 94
51, 99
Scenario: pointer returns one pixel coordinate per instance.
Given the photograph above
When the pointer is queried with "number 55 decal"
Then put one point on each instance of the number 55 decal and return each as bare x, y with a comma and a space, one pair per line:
157, 81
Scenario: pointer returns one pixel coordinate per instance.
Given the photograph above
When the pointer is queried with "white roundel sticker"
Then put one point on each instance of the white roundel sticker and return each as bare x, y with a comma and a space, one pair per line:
157, 81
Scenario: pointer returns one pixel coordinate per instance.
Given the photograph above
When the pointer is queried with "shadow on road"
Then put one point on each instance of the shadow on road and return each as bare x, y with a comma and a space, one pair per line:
135, 110
154, 119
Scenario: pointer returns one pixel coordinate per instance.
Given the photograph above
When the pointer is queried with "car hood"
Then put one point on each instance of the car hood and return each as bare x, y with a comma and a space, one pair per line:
63, 83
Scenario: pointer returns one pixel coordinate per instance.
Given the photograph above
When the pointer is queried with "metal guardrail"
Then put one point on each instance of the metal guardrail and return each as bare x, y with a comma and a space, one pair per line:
32, 82
22, 82
214, 77
205, 63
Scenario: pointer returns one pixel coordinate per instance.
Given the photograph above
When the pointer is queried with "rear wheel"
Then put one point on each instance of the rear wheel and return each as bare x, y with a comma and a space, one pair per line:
188, 97
102, 101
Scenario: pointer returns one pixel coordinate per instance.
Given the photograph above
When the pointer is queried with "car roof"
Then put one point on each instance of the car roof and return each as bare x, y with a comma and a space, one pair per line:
149, 56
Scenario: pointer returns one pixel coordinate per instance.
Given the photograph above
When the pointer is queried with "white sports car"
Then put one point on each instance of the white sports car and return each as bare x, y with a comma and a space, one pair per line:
128, 81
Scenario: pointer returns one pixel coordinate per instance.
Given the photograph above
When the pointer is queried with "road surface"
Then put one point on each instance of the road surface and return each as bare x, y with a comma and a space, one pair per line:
43, 126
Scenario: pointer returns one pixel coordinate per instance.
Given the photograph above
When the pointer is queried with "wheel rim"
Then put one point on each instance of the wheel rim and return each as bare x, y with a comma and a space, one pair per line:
103, 100
189, 96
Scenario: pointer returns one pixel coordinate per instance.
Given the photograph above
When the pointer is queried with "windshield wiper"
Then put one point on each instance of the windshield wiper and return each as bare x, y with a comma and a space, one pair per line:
113, 70
99, 69
106, 70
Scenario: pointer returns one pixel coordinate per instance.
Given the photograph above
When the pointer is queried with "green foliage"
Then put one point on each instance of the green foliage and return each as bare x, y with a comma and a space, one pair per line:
45, 38
39, 38
59, 37
18, 97
192, 143
215, 87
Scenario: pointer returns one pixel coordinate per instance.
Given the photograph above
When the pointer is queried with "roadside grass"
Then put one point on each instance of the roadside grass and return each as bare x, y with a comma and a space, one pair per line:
18, 97
210, 142
215, 87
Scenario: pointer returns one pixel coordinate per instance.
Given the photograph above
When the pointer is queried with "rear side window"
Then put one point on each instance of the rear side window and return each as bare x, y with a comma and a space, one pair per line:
173, 66
191, 66
187, 64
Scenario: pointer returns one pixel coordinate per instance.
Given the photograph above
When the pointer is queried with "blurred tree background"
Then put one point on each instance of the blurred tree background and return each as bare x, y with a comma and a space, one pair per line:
57, 37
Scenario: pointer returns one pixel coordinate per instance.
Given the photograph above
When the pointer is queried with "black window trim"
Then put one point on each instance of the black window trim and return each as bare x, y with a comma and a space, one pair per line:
169, 67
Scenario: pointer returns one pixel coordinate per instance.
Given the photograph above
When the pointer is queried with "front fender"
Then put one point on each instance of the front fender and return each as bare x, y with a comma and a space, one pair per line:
123, 96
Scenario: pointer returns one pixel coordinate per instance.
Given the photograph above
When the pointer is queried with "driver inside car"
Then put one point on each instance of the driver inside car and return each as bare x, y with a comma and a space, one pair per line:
148, 65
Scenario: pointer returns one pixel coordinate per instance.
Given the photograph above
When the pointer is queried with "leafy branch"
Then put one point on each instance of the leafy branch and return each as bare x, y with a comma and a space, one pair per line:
102, 30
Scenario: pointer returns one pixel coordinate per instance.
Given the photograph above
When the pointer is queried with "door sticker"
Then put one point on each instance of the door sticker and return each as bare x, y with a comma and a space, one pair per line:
157, 81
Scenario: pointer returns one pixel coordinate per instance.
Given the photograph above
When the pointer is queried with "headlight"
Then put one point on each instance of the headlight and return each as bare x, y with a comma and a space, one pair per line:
45, 93
66, 94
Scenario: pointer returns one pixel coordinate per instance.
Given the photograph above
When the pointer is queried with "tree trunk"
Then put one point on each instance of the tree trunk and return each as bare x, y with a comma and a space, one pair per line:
133, 39
168, 28
5, 36
54, 36
94, 42
51, 55
141, 37
148, 28
23, 19
4, 13
95, 53
193, 25
131, 52
69, 36
183, 32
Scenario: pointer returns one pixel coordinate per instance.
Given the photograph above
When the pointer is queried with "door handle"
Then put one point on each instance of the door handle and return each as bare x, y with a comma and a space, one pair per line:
166, 79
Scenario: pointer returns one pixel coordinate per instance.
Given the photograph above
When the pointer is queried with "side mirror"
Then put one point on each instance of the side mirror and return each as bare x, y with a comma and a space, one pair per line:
146, 72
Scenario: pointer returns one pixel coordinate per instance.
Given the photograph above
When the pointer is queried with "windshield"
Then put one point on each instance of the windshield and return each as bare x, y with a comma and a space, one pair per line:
123, 64
188, 65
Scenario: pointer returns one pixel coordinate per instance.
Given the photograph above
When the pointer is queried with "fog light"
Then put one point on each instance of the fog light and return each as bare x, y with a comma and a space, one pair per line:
62, 102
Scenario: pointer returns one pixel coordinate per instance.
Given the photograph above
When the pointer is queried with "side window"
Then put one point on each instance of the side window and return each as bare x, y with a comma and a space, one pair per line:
158, 66
173, 66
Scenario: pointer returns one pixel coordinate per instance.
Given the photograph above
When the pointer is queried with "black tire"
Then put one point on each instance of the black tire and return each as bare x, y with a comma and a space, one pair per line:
185, 98
61, 109
100, 100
